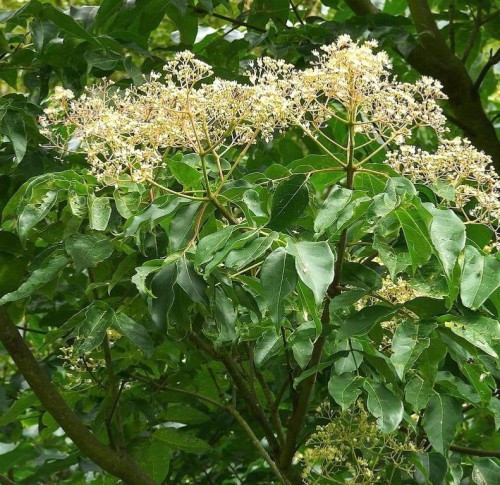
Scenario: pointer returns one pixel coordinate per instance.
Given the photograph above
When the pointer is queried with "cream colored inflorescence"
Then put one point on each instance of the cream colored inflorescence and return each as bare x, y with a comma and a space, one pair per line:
128, 131
351, 446
461, 173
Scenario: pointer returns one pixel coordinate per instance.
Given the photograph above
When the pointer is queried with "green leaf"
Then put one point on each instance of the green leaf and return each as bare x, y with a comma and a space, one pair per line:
384, 405
212, 243
290, 199
185, 173
363, 321
181, 227
345, 388
480, 278
48, 270
91, 332
416, 234
269, 344
99, 213
302, 352
134, 331
442, 416
239, 258
279, 278
478, 330
431, 357
332, 206
448, 236
345, 300
225, 317
23, 402
14, 127
486, 471
153, 455
68, 24
141, 274
353, 358
176, 439
360, 276
35, 211
406, 347
185, 414
127, 204
417, 393
314, 262
88, 250
435, 467
190, 281
162, 288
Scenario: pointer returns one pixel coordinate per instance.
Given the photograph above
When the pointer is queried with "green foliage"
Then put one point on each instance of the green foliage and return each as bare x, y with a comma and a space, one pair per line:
166, 321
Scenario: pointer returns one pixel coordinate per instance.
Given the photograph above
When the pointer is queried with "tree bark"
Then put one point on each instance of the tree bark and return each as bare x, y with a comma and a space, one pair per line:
117, 463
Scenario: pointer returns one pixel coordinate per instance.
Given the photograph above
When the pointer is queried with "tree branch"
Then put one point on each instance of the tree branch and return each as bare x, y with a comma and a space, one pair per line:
296, 11
474, 451
493, 59
5, 481
238, 22
117, 463
241, 385
296, 420
238, 417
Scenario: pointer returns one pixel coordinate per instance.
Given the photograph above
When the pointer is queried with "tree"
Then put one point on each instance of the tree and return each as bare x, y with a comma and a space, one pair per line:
288, 269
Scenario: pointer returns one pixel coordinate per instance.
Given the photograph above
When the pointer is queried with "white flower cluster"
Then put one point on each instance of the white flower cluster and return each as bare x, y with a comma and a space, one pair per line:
474, 186
128, 131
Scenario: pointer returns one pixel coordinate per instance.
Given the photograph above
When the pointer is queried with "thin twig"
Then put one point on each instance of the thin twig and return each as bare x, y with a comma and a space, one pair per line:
296, 12
238, 22
493, 59
474, 451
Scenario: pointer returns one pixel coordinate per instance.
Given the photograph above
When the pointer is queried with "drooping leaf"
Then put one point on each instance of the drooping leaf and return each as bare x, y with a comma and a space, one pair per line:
289, 201
14, 127
478, 330
314, 262
88, 250
267, 345
418, 392
91, 332
48, 270
448, 236
25, 400
279, 278
363, 321
360, 276
302, 352
190, 281
181, 440
480, 278
406, 347
134, 331
442, 416
486, 471
384, 405
239, 258
416, 234
153, 455
345, 388
225, 317
212, 243
162, 288
334, 203
99, 213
